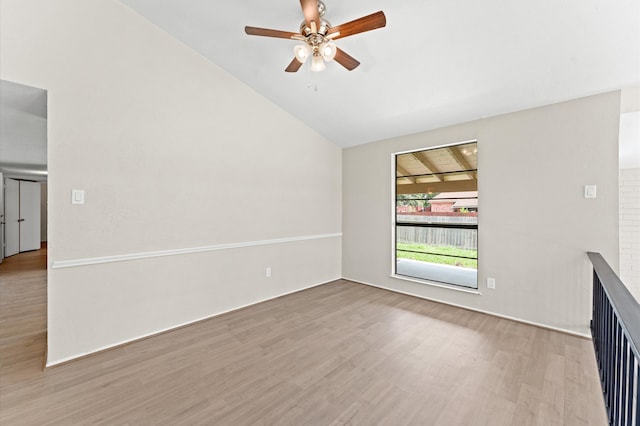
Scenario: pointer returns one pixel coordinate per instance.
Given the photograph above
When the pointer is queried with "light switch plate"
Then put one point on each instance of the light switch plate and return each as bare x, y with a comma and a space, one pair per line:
589, 191
491, 283
77, 196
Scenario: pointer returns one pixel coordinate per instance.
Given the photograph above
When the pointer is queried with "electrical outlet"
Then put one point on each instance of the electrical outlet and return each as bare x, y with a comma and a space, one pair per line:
491, 283
267, 272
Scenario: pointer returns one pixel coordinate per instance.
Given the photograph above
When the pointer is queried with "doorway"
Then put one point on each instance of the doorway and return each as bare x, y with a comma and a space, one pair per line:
22, 216
23, 227
23, 168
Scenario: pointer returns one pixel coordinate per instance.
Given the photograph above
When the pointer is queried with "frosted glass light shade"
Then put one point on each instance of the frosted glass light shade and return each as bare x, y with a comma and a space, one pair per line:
328, 51
317, 63
302, 52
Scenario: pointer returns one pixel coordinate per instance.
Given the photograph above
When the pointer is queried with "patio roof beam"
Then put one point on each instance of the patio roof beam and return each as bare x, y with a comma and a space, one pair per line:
457, 155
447, 186
428, 164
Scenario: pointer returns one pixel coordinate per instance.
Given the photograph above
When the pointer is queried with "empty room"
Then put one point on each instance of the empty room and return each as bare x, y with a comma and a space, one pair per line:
302, 212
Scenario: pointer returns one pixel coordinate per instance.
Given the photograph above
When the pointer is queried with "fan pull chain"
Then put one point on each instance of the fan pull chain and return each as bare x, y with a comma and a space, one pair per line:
309, 80
315, 86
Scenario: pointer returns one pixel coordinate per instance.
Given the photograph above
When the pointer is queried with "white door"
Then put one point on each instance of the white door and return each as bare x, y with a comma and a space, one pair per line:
29, 216
1, 218
12, 215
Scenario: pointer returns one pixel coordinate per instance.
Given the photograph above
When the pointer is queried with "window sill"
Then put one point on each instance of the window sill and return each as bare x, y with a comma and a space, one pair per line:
437, 284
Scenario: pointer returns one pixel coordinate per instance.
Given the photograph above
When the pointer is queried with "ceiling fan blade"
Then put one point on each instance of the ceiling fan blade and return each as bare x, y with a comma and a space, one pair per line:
265, 32
360, 25
345, 59
311, 14
293, 66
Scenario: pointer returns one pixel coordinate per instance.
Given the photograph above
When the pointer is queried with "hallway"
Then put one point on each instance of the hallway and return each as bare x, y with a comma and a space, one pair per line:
23, 315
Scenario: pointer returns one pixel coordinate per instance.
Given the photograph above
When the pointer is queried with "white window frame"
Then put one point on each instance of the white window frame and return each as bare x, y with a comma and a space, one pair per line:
393, 274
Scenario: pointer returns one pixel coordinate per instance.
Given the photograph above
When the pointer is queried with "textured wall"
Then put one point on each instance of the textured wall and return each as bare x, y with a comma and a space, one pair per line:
527, 161
173, 153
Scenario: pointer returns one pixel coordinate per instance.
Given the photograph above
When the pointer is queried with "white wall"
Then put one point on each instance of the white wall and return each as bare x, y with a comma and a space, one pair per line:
629, 151
629, 181
173, 153
2, 217
630, 229
534, 224
23, 127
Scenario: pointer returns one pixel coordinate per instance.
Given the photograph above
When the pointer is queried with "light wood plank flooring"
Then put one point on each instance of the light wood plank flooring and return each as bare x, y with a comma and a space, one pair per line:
338, 354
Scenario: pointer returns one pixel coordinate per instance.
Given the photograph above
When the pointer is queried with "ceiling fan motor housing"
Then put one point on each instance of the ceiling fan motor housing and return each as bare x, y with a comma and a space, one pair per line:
324, 24
324, 28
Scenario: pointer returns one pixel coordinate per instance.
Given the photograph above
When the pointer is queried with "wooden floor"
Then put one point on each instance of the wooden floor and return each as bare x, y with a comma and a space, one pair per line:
342, 353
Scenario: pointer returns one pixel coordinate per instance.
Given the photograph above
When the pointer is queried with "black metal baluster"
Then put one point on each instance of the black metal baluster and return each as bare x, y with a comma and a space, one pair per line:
615, 326
637, 394
623, 396
631, 385
615, 379
607, 356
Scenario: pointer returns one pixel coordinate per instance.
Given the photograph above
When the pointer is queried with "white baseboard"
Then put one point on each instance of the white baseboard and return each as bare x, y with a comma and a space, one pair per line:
494, 314
165, 330
187, 323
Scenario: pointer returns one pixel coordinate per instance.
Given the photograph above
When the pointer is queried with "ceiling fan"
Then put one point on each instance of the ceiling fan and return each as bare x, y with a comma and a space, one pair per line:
317, 34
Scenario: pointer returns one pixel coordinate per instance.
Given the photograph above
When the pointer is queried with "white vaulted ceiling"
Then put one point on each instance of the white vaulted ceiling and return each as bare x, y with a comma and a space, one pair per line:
23, 131
436, 62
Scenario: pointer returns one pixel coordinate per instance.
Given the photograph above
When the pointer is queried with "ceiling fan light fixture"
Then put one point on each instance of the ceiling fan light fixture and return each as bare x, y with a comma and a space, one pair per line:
317, 36
328, 51
302, 52
317, 63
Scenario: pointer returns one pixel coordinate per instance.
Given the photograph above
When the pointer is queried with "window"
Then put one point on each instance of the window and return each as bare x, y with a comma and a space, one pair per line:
436, 215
